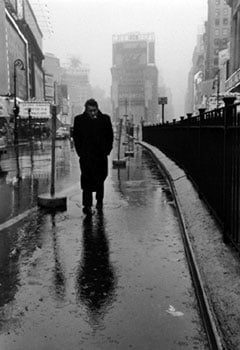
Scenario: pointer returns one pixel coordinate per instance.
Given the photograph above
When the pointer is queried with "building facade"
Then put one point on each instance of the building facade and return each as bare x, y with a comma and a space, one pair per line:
194, 95
28, 24
210, 62
134, 91
232, 84
217, 35
20, 39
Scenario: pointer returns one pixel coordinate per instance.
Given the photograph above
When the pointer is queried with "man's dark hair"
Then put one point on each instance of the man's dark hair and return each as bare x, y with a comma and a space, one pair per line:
91, 102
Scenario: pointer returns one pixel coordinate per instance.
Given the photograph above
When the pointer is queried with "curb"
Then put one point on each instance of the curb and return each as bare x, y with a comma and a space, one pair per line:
26, 213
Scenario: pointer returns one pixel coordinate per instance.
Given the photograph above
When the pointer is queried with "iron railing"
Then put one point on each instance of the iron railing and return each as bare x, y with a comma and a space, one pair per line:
207, 146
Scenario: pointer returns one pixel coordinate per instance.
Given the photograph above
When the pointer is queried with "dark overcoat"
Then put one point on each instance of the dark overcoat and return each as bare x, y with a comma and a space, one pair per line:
93, 140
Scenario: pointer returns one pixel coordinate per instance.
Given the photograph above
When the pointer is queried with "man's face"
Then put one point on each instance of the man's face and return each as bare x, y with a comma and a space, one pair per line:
92, 111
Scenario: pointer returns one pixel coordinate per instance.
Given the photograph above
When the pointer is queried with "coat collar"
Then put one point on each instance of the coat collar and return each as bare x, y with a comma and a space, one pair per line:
99, 114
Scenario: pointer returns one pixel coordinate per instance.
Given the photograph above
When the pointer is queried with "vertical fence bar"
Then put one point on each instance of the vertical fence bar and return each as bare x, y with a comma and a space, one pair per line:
236, 178
200, 170
227, 169
238, 173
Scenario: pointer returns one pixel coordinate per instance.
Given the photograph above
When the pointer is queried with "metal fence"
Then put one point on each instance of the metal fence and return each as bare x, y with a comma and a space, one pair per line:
207, 146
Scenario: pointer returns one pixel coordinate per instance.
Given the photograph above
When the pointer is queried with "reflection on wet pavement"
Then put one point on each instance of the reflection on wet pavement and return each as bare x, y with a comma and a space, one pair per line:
58, 273
95, 278
33, 167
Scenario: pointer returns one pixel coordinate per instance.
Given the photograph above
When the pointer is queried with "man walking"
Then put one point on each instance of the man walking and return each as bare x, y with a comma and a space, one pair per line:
93, 140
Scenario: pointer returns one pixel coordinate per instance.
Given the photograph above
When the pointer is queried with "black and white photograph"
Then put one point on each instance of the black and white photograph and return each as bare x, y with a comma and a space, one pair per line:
119, 175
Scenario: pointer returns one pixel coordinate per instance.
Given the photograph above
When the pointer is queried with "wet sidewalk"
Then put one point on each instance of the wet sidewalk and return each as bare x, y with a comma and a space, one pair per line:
116, 280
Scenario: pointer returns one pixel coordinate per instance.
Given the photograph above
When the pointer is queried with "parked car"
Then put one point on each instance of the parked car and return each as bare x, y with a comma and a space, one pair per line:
62, 133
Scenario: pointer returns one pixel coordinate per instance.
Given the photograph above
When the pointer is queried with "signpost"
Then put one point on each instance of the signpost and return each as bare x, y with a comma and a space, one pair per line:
162, 101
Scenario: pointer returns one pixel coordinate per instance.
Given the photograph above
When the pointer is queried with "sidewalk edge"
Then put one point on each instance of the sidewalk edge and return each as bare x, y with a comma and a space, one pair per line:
193, 266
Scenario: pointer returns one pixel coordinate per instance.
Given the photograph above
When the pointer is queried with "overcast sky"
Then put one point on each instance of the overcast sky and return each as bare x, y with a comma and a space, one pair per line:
84, 28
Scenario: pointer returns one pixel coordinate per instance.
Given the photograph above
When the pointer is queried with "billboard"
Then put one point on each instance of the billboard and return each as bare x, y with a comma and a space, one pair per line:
49, 87
39, 88
38, 110
130, 53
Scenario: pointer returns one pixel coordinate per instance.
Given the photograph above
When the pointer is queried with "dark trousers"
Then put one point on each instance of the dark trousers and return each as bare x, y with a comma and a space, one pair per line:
87, 197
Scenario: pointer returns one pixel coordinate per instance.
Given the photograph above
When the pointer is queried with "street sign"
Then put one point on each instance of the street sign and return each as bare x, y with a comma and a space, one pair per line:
162, 100
38, 110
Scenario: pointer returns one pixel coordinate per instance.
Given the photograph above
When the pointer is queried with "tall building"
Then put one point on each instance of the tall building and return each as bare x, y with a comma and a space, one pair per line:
76, 77
232, 84
210, 60
20, 38
134, 90
4, 82
217, 35
194, 94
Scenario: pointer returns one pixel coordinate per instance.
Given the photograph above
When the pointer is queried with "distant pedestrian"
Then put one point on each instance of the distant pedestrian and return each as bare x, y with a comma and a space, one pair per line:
93, 140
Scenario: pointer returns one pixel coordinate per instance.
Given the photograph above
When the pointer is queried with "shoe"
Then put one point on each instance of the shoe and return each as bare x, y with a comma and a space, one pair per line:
87, 210
99, 205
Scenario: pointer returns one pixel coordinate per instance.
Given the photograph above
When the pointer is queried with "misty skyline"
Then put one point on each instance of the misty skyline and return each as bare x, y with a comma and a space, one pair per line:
85, 28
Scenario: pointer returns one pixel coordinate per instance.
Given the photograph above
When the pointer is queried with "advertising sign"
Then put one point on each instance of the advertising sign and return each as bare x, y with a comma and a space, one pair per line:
38, 110
130, 54
162, 100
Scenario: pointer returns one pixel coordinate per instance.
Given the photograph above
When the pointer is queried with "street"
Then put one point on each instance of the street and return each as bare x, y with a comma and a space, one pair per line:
117, 280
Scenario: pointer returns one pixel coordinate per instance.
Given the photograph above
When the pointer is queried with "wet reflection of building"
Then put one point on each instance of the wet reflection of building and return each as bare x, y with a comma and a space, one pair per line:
59, 278
134, 182
96, 280
16, 246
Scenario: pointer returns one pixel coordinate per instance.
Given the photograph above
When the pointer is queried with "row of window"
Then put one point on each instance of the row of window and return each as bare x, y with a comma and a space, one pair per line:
225, 32
225, 21
224, 12
218, 2
219, 42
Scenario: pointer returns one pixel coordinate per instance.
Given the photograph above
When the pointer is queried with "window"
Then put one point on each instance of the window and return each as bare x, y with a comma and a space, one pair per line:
225, 21
217, 12
217, 21
216, 32
217, 2
216, 42
225, 11
225, 32
215, 61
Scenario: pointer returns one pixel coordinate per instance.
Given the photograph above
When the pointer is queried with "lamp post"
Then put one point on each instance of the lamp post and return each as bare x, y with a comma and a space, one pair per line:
17, 63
